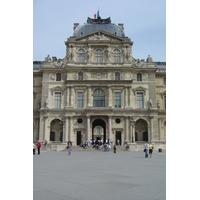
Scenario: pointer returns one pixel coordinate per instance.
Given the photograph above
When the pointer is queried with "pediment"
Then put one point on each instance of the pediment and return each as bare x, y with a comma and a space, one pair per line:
140, 88
57, 88
99, 36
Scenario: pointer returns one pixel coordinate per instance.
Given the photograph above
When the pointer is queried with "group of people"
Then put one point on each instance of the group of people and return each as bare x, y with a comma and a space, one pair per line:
38, 147
148, 148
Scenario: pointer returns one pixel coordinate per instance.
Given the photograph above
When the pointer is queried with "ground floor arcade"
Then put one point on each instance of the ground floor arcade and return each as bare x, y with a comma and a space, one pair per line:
60, 128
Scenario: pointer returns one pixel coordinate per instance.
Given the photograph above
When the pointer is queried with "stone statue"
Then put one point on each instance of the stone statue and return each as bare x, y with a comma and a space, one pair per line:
158, 104
47, 59
150, 104
38, 105
46, 103
149, 59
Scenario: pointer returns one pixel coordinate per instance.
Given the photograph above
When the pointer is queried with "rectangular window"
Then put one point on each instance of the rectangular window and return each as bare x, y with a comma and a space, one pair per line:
117, 99
80, 99
57, 102
164, 80
98, 131
140, 102
58, 77
165, 101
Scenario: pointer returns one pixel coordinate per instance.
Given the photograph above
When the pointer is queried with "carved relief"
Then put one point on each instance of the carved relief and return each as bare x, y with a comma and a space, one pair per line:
99, 37
52, 77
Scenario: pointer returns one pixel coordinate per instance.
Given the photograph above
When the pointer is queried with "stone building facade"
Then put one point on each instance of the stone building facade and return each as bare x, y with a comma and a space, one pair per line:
99, 90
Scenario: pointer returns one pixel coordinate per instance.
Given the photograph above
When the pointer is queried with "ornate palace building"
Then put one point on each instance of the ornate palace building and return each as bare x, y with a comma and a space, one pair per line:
99, 90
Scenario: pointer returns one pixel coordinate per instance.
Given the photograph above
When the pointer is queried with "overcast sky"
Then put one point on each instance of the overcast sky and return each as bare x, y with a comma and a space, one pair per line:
144, 23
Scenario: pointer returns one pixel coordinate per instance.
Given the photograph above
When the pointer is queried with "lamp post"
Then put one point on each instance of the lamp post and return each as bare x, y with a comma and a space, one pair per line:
132, 123
62, 122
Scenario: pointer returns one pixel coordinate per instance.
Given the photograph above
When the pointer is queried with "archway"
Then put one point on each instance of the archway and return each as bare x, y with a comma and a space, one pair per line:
56, 130
98, 130
141, 128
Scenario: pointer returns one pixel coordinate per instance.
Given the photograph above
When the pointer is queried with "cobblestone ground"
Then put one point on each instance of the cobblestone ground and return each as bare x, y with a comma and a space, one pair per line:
98, 175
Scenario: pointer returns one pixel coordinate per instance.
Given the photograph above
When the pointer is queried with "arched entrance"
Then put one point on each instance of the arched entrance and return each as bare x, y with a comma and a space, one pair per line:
141, 129
56, 131
98, 130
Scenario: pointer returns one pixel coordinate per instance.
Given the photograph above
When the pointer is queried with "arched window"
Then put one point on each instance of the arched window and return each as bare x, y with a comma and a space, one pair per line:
139, 77
116, 56
117, 76
58, 77
99, 56
99, 98
80, 76
81, 56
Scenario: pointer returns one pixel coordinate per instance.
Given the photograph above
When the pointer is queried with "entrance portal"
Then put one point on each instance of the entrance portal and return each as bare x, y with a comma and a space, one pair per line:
118, 138
78, 137
98, 130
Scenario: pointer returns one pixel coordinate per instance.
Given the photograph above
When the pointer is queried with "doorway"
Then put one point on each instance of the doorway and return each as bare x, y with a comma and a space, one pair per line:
78, 137
118, 137
99, 122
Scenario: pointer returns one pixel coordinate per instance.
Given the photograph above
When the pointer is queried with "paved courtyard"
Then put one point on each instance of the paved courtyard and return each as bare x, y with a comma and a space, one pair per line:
97, 175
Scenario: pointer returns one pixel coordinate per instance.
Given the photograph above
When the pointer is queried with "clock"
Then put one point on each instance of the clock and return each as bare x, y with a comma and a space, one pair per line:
98, 75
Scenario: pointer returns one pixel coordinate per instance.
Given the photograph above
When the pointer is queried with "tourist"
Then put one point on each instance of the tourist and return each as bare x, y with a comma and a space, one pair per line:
38, 146
150, 150
146, 148
69, 150
34, 147
111, 141
114, 148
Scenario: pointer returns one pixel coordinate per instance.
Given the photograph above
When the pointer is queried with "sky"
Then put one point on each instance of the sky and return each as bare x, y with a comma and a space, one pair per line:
144, 23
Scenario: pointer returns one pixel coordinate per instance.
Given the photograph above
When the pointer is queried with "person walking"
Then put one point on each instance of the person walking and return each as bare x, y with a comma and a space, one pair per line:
34, 147
38, 147
114, 148
146, 148
150, 150
69, 150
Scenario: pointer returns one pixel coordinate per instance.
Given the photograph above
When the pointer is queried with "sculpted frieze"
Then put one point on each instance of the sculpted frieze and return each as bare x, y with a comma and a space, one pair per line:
99, 37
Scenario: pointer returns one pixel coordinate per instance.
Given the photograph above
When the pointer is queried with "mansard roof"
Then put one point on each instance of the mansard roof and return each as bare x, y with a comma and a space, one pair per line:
98, 24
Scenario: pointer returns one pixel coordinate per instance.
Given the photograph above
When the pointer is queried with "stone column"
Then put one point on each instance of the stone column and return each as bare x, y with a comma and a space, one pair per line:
125, 96
133, 127
126, 129
109, 127
42, 123
150, 136
88, 95
45, 128
66, 130
88, 128
72, 96
109, 96
70, 128
129, 94
67, 96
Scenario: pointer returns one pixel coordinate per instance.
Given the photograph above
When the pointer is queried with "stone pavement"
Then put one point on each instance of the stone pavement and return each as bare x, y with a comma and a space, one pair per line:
97, 175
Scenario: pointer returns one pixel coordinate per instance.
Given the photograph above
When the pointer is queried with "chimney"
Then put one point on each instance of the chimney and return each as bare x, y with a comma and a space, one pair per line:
121, 25
75, 25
